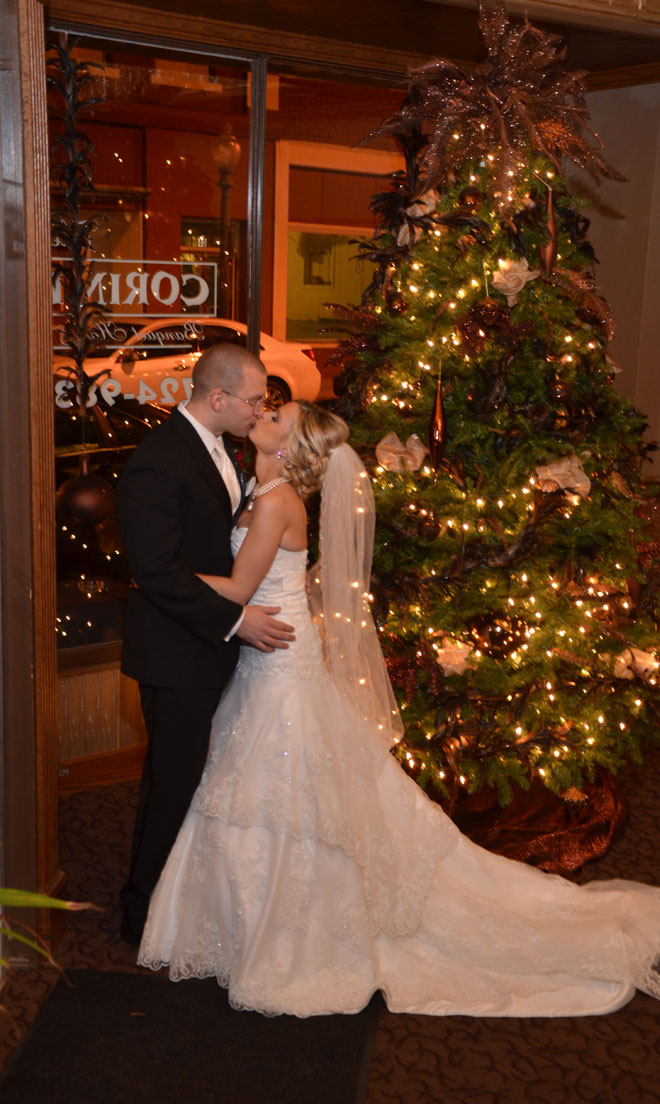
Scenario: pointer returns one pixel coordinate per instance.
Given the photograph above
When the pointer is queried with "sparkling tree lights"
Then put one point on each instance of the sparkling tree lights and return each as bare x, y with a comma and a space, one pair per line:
514, 584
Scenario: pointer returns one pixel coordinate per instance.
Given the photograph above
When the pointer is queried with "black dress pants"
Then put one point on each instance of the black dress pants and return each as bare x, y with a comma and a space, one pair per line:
178, 725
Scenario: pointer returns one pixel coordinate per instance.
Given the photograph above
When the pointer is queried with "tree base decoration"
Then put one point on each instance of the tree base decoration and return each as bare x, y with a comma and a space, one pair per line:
557, 834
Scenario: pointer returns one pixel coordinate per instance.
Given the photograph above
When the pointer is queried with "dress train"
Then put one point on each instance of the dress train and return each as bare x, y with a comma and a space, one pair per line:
311, 871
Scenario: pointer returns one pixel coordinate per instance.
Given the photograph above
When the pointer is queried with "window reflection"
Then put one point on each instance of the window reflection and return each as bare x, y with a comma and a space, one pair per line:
169, 263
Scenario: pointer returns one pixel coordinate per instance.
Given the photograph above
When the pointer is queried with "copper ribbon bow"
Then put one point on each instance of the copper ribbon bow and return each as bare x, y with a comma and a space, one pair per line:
395, 457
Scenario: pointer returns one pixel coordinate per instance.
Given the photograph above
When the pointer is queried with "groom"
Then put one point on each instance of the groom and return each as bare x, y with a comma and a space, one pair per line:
177, 499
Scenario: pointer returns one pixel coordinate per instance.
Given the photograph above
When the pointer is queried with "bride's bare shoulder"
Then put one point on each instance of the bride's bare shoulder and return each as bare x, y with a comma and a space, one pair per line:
290, 501
281, 501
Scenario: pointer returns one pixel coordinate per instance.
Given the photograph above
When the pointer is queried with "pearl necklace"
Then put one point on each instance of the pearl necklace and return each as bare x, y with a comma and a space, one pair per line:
258, 491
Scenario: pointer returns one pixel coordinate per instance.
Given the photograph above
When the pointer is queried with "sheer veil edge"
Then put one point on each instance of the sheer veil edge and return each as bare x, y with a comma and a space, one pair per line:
340, 593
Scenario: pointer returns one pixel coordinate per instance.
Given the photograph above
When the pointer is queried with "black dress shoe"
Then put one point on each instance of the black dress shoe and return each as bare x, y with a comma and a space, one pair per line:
128, 932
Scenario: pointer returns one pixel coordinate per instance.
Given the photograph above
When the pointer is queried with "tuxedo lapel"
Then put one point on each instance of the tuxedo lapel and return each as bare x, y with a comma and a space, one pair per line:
204, 461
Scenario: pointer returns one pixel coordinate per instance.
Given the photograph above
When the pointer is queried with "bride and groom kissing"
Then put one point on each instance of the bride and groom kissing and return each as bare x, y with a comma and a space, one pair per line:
305, 870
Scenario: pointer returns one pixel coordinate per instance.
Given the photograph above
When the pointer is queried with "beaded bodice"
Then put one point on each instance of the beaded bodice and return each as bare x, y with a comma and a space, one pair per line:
284, 586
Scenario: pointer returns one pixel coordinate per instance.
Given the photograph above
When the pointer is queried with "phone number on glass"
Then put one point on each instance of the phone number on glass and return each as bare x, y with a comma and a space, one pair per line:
110, 390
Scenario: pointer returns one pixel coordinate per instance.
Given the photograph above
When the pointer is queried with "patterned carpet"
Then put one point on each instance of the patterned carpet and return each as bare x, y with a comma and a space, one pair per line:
457, 1060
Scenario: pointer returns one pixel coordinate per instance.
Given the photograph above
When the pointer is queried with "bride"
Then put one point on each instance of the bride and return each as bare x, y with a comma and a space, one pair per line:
310, 870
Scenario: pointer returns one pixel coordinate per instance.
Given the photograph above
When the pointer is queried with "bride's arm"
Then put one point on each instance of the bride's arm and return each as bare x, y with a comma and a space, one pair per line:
256, 554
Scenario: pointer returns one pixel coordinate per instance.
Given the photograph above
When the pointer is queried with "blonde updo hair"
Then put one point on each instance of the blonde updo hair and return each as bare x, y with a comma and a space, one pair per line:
316, 432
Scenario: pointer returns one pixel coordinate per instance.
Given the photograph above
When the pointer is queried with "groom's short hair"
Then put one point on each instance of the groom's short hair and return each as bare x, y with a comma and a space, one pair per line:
223, 366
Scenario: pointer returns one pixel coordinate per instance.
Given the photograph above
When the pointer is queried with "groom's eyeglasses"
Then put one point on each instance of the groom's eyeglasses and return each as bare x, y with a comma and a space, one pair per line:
256, 404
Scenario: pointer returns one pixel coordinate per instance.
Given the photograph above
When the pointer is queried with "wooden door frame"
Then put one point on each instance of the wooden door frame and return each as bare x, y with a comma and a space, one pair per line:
27, 476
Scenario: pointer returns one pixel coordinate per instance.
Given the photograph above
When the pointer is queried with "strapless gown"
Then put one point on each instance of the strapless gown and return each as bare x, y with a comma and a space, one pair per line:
311, 871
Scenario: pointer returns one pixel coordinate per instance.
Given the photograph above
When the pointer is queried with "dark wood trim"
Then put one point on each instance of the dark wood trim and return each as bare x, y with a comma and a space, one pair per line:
54, 923
603, 79
286, 47
18, 855
102, 769
42, 441
27, 522
256, 201
279, 46
92, 657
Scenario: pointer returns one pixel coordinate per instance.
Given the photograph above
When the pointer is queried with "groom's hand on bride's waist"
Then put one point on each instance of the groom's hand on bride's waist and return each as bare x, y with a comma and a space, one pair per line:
260, 629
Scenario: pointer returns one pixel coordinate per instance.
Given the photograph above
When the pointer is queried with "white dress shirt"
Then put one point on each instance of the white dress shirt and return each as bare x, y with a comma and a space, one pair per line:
218, 453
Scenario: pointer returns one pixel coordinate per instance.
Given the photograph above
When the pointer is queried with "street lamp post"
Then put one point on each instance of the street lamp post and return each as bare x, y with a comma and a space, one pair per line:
226, 153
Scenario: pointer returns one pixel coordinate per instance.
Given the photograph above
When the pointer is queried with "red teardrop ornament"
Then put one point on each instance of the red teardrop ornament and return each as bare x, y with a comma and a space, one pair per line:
437, 428
548, 252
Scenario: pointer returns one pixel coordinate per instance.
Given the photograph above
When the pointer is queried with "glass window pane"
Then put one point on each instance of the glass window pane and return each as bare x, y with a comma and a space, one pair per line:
212, 335
318, 208
167, 253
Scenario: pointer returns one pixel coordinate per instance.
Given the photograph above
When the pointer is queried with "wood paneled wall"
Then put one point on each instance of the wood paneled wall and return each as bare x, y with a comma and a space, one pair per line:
98, 711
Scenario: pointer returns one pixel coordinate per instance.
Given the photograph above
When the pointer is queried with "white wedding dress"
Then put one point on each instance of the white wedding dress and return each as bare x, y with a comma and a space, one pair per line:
311, 871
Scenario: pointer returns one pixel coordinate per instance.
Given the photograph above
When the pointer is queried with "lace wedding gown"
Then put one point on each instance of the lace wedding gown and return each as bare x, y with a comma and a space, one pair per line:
311, 871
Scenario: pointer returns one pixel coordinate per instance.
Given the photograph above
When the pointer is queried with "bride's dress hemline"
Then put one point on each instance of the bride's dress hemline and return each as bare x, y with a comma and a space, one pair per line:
410, 972
311, 872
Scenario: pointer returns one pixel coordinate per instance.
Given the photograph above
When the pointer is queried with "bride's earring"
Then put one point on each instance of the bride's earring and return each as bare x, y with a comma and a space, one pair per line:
281, 453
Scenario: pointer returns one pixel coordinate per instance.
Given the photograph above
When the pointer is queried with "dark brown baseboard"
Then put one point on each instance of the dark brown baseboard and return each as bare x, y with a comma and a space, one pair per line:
102, 769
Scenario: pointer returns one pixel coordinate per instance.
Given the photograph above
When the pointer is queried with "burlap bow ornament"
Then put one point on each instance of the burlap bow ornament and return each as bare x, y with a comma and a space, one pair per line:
396, 457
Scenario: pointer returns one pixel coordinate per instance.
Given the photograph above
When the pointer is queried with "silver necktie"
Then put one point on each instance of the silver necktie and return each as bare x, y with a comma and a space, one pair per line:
228, 473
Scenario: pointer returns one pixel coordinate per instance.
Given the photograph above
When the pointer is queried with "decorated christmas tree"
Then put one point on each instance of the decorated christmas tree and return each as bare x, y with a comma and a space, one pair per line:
514, 584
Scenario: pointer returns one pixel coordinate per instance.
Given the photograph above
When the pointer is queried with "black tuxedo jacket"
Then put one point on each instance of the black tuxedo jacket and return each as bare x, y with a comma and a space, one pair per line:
176, 519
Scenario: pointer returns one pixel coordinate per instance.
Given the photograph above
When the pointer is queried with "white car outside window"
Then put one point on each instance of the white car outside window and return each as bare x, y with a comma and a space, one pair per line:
154, 363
